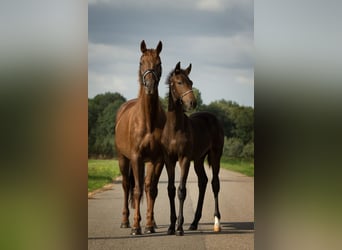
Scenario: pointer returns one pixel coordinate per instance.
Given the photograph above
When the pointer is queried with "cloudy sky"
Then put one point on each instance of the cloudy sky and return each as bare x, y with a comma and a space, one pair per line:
216, 36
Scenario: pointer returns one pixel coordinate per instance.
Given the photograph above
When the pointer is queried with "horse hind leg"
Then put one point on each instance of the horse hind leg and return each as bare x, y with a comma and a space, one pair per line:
215, 183
202, 185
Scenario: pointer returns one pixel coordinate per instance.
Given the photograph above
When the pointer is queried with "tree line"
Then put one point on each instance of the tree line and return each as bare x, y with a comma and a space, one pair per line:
237, 121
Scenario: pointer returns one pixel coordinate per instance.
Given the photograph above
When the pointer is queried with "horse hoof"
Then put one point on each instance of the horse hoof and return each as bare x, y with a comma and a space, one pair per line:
171, 231
125, 225
149, 230
217, 229
136, 231
193, 227
179, 232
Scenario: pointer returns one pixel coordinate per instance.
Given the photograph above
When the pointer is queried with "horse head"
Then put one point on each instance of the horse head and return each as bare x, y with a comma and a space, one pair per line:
150, 69
181, 87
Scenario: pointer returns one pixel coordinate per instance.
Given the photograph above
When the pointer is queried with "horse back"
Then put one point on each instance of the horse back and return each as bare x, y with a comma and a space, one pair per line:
207, 133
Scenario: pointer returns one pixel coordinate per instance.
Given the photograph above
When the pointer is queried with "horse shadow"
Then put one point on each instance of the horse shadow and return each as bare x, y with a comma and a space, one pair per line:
226, 228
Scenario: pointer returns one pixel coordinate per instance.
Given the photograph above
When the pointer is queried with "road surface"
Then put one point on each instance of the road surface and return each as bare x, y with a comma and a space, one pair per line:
236, 200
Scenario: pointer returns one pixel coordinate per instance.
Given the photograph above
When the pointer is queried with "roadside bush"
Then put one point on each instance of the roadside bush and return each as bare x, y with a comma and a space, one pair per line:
232, 147
248, 151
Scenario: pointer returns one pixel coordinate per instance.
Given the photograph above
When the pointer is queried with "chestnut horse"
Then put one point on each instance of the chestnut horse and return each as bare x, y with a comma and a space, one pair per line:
186, 139
138, 130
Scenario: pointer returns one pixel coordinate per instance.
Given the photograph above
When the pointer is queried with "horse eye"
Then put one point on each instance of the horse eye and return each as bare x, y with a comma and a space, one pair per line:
179, 83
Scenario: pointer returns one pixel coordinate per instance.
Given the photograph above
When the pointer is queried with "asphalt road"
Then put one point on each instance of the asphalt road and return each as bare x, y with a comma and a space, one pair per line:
236, 200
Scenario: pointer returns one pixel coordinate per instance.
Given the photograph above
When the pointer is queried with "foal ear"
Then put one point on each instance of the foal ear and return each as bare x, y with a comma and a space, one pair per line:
177, 69
143, 46
159, 47
188, 69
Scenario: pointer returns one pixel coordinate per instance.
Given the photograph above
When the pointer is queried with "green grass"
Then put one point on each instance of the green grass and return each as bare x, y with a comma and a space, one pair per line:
101, 172
241, 166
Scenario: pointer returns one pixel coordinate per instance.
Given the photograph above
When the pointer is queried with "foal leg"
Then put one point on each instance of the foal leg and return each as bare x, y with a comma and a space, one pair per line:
171, 190
184, 164
202, 185
125, 171
215, 183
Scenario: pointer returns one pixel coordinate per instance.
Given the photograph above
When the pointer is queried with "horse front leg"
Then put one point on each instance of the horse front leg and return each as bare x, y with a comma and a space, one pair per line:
151, 188
184, 165
171, 190
126, 185
149, 211
138, 172
154, 187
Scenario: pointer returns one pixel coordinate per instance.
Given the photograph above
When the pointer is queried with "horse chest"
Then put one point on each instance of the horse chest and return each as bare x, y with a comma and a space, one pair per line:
148, 143
178, 144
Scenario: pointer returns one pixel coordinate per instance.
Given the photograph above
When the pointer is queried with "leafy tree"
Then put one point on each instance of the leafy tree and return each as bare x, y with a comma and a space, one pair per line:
102, 111
224, 114
248, 151
237, 121
244, 121
232, 147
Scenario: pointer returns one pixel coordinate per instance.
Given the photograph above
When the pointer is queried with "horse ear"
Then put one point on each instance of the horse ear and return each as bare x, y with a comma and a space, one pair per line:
143, 46
159, 47
177, 69
188, 69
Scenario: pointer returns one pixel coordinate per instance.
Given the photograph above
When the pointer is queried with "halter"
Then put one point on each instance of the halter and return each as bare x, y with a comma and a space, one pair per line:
182, 95
145, 74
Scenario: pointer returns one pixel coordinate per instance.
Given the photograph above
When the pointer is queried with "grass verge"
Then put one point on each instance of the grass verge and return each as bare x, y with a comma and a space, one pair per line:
241, 166
101, 172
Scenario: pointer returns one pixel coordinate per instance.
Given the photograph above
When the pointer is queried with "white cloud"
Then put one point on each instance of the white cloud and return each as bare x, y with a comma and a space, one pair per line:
203, 5
245, 79
112, 68
110, 53
220, 49
210, 5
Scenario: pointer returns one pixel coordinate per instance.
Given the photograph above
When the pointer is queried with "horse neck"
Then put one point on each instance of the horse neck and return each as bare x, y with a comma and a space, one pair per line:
175, 115
149, 108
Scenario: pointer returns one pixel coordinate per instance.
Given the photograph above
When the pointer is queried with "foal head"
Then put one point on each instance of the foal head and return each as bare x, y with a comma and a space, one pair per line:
181, 88
150, 69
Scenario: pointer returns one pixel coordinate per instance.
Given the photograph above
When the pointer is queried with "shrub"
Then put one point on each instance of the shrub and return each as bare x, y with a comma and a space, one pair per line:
232, 147
248, 151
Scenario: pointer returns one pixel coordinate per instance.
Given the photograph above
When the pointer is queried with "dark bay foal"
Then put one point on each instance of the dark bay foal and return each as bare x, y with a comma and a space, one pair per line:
190, 138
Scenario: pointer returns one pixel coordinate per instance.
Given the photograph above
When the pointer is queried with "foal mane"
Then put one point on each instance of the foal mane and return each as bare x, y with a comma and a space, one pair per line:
172, 73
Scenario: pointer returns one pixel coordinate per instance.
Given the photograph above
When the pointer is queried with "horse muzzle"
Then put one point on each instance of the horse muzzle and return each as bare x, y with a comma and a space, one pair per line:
188, 100
150, 87
189, 105
150, 81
